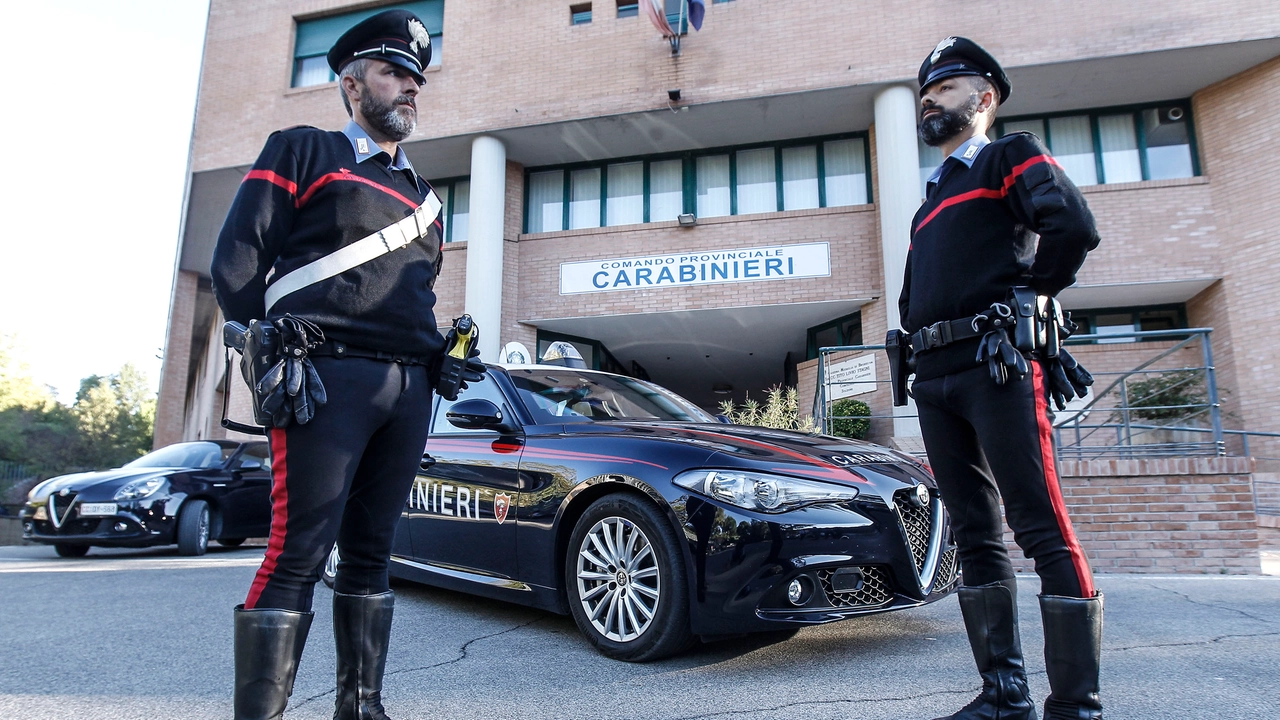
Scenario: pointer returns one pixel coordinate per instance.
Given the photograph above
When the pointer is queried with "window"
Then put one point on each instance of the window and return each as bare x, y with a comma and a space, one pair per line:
841, 331
455, 202
1116, 146
1106, 146
580, 14
713, 183
628, 8
1115, 321
315, 37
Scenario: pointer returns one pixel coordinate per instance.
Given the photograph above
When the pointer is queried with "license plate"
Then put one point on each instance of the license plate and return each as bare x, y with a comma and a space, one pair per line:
97, 509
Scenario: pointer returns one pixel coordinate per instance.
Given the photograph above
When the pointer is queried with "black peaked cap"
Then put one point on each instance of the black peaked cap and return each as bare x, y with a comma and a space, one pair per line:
962, 56
396, 36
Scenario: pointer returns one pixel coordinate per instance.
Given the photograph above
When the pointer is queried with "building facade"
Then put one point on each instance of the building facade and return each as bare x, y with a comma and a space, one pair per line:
708, 219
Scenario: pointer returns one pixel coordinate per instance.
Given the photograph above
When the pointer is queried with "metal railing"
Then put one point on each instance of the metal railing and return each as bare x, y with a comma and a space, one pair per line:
1163, 405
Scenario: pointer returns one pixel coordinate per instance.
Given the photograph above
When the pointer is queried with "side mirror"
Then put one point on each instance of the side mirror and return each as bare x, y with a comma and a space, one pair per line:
477, 414
724, 419
252, 464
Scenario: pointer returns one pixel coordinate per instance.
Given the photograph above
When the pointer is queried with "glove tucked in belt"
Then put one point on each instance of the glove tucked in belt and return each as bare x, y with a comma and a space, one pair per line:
291, 390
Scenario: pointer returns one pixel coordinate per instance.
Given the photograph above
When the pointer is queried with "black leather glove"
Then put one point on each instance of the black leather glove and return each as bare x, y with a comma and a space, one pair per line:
1067, 379
473, 371
1002, 357
273, 390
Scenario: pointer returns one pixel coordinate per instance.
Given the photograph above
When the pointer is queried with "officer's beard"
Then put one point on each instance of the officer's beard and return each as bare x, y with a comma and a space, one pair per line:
946, 124
396, 119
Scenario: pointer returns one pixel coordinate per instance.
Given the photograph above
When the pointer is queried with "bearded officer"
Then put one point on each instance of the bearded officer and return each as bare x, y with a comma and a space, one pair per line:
983, 403
346, 473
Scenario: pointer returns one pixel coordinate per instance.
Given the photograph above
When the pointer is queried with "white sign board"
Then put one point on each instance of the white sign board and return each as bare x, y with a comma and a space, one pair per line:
777, 262
855, 376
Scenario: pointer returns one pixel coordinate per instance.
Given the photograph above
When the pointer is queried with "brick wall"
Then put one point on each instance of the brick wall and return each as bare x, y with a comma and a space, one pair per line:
172, 402
1236, 122
1174, 515
521, 63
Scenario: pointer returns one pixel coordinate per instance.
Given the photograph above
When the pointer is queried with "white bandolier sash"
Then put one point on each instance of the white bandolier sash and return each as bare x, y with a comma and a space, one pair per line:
388, 239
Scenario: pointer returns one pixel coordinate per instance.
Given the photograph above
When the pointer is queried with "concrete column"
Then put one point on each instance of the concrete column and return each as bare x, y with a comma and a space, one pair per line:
897, 198
484, 243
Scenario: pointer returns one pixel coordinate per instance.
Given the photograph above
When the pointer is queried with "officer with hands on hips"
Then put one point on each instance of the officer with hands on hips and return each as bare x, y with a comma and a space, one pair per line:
333, 243
983, 394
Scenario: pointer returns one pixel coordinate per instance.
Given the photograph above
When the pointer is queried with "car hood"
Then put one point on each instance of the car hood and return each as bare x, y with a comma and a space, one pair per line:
822, 457
101, 481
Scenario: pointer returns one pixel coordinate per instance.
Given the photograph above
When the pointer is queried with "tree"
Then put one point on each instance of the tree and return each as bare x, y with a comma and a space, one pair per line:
115, 416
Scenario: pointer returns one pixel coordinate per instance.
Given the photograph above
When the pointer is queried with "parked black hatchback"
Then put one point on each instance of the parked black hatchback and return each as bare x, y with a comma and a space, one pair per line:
188, 494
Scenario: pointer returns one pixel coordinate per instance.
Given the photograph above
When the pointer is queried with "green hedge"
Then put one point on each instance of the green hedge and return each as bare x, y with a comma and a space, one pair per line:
851, 418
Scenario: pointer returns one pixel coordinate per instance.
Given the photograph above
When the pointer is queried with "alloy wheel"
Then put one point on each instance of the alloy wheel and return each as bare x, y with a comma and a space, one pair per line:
618, 580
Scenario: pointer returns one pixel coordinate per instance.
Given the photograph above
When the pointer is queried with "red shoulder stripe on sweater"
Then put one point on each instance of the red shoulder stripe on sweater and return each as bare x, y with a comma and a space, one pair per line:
347, 176
1009, 180
288, 185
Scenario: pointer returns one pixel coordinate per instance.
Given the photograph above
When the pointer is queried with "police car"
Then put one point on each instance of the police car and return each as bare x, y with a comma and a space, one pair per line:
653, 523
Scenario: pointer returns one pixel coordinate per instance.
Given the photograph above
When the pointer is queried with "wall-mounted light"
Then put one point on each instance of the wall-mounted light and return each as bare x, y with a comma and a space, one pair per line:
722, 389
687, 219
674, 95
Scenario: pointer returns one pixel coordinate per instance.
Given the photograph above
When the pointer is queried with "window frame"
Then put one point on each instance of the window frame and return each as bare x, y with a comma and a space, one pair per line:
1139, 126
448, 207
689, 176
1134, 311
811, 335
298, 22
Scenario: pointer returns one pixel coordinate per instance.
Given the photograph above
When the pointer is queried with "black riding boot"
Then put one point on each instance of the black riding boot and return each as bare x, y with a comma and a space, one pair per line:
991, 617
268, 646
361, 631
1072, 652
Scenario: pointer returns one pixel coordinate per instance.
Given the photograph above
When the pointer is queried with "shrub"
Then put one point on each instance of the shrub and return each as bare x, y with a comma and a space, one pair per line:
850, 418
1150, 399
781, 411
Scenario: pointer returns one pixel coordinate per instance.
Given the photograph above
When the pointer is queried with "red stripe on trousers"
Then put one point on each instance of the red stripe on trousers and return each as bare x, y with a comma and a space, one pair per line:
980, 193
333, 177
272, 178
1078, 559
279, 516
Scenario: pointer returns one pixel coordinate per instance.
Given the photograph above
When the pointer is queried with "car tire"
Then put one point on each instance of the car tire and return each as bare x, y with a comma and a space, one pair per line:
193, 528
621, 582
329, 571
70, 551
231, 542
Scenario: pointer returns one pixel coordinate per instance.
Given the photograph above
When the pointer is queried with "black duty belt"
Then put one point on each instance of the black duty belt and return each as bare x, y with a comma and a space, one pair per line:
946, 332
339, 350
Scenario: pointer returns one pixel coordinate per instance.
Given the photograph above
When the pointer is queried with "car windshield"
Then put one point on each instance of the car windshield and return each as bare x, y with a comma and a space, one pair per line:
187, 455
560, 396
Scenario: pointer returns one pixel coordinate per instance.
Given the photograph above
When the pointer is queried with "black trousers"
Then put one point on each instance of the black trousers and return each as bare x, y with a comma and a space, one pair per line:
345, 476
985, 442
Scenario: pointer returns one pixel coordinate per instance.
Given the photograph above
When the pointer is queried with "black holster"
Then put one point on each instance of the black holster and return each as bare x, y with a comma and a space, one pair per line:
901, 364
259, 347
282, 382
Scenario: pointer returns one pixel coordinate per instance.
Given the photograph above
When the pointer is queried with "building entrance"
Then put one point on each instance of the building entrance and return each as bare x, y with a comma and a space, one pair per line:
707, 356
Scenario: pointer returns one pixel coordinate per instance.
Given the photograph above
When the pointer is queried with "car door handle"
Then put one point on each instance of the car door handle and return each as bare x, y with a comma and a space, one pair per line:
427, 462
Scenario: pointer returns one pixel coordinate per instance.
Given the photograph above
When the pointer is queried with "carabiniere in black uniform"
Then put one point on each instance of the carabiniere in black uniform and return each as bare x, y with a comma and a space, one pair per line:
983, 402
344, 450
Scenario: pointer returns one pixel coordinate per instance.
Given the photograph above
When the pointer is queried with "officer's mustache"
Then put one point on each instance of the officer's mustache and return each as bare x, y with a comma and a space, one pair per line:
406, 100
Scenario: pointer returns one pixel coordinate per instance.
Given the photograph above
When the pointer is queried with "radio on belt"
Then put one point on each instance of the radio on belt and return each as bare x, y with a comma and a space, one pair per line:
460, 341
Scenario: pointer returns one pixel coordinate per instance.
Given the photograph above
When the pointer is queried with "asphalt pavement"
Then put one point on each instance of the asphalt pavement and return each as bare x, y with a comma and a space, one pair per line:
147, 634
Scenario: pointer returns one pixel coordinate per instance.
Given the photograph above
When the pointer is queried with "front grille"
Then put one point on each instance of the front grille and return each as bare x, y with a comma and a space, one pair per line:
947, 567
916, 521
873, 591
60, 510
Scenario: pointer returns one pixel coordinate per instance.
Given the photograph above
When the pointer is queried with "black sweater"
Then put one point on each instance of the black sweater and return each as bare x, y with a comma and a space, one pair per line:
305, 197
976, 237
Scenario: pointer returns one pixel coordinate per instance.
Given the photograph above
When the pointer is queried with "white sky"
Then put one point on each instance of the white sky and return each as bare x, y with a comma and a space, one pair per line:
95, 123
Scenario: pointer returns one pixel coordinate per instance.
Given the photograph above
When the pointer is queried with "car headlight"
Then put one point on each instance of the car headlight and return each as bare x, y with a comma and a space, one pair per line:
763, 492
140, 488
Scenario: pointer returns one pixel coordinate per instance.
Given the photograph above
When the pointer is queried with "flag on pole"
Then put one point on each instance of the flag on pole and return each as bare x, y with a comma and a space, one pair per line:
658, 16
697, 9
